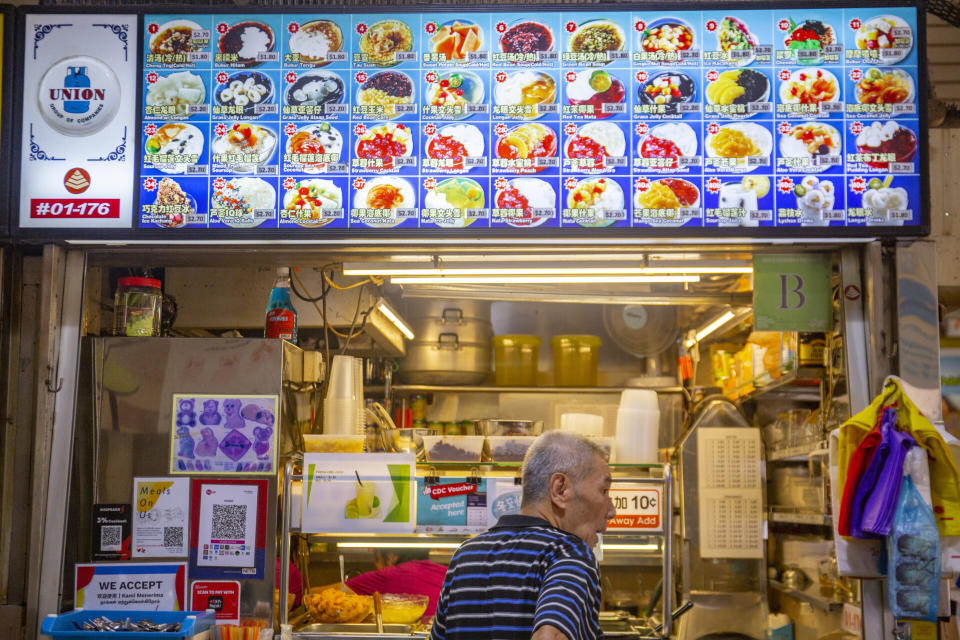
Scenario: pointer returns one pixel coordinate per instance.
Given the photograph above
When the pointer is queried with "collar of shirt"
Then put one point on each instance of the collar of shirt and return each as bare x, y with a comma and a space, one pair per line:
518, 521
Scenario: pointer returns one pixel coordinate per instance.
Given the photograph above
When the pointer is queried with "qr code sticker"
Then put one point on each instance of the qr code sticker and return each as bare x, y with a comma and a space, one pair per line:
229, 521
172, 537
111, 537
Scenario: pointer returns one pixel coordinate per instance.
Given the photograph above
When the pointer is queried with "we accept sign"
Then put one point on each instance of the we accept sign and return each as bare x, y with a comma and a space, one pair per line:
149, 587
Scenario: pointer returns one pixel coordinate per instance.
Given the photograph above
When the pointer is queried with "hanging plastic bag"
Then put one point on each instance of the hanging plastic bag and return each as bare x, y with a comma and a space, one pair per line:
914, 557
882, 503
868, 481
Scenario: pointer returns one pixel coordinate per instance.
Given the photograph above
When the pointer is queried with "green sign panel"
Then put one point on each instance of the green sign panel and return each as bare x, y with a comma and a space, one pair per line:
791, 292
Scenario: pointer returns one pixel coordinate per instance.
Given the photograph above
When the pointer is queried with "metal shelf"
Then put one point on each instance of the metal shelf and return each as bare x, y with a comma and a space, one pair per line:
797, 383
428, 388
814, 599
798, 453
796, 517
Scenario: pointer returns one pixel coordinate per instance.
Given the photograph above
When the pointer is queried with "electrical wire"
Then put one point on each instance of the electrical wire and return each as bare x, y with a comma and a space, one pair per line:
353, 323
324, 289
329, 281
323, 314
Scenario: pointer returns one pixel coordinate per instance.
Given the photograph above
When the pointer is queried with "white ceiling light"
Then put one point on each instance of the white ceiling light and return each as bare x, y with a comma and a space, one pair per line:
573, 265
715, 324
384, 307
542, 279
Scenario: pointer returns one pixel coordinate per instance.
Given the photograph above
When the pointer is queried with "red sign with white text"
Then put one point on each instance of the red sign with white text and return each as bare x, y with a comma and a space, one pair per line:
223, 596
93, 209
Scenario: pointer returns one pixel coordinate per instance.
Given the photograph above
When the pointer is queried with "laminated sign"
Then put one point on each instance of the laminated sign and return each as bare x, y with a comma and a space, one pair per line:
359, 493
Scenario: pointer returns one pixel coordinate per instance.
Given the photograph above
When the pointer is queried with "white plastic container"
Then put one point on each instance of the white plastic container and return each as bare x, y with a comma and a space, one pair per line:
638, 427
453, 448
584, 424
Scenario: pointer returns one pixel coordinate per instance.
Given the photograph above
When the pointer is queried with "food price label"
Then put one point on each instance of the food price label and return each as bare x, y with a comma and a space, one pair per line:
613, 107
639, 508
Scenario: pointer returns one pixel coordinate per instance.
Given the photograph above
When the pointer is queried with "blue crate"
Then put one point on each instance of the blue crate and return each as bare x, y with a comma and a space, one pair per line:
61, 627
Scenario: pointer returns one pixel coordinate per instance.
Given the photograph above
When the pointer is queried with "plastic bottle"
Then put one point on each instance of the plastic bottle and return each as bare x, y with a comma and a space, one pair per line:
281, 320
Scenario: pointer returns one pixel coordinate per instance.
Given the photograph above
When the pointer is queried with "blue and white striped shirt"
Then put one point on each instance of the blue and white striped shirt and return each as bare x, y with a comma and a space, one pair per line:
520, 575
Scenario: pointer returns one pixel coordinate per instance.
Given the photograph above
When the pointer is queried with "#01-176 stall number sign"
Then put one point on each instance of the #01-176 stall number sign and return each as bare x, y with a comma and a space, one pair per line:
639, 507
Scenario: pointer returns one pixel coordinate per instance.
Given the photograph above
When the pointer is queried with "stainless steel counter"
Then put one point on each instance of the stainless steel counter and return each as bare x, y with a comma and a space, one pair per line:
358, 631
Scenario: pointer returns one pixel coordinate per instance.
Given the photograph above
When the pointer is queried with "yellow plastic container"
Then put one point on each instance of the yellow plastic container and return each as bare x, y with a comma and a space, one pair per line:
515, 360
575, 360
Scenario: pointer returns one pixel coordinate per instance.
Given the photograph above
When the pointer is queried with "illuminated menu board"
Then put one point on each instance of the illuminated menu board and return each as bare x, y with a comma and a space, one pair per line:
788, 118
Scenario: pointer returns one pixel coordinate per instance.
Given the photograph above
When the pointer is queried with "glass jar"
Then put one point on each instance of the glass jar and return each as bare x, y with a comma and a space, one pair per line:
136, 307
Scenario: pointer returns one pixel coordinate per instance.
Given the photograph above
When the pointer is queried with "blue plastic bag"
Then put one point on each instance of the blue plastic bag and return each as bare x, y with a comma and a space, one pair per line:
913, 553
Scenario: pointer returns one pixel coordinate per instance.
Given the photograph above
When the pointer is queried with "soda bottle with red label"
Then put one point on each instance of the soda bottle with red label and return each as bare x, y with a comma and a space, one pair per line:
281, 321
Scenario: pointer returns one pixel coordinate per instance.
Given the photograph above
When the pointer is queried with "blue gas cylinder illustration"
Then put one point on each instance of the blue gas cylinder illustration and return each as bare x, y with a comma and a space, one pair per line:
76, 80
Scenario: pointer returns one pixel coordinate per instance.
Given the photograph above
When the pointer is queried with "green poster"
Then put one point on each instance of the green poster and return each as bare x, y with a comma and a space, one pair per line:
791, 292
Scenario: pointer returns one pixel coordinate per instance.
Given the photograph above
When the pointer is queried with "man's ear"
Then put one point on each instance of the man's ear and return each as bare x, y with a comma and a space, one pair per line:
561, 490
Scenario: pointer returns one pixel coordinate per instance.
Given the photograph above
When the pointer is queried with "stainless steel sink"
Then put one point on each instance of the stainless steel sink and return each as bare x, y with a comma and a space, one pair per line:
354, 631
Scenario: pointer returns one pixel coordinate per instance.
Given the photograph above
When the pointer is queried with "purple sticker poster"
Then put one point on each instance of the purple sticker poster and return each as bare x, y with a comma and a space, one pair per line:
223, 434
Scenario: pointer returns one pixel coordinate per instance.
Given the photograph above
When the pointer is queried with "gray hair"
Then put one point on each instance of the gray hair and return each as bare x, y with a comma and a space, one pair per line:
556, 452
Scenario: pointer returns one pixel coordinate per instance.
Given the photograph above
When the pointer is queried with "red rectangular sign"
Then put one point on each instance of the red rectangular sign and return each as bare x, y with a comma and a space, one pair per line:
94, 209
223, 596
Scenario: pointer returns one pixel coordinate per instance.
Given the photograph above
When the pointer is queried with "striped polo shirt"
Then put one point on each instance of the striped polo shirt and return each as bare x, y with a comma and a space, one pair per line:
508, 582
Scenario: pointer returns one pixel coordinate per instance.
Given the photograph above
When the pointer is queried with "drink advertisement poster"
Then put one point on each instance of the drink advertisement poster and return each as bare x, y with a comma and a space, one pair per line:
359, 493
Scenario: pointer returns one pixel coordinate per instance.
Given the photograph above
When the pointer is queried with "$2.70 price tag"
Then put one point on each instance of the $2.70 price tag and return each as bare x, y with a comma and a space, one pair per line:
639, 507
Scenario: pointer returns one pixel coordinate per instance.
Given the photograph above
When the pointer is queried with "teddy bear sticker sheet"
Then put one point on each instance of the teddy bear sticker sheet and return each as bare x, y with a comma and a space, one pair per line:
224, 434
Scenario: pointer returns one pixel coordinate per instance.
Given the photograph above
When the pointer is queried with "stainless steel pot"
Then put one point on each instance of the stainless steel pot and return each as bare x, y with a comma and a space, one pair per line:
451, 343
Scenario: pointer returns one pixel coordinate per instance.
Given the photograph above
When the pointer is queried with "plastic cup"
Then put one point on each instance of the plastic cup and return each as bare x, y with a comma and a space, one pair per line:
638, 436
342, 378
340, 416
639, 399
584, 424
365, 493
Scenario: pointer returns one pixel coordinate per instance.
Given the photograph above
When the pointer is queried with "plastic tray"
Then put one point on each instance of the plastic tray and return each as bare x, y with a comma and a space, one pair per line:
61, 627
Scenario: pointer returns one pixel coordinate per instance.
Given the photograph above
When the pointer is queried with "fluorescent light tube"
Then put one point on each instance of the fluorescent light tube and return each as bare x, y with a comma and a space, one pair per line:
542, 279
385, 309
532, 270
629, 547
397, 545
373, 544
710, 328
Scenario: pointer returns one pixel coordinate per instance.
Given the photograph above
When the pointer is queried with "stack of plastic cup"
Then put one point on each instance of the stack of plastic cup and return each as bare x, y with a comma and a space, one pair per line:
584, 424
343, 406
638, 427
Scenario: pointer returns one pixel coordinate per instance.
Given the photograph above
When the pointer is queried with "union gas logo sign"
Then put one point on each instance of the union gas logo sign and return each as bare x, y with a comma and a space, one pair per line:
79, 96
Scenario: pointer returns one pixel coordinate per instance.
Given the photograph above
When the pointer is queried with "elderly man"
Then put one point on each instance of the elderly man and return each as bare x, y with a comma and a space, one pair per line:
534, 575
